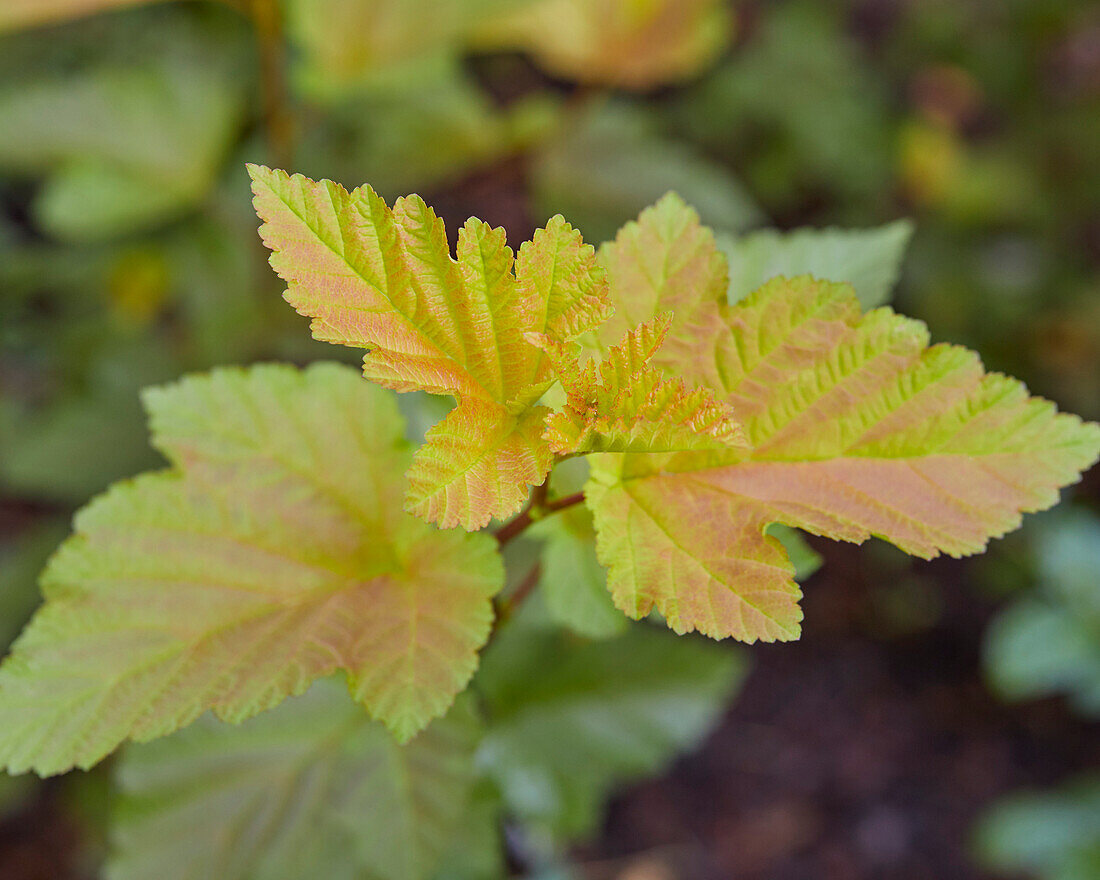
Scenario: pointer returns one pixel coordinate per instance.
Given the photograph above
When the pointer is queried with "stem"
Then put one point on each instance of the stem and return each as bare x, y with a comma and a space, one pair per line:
277, 118
506, 607
538, 507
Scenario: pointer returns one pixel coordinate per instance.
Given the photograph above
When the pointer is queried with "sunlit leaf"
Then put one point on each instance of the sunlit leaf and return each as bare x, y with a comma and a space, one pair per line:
385, 280
313, 788
274, 553
857, 428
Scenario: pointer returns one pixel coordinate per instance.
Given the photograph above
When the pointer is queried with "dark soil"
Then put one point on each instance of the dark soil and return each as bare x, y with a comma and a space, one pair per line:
848, 756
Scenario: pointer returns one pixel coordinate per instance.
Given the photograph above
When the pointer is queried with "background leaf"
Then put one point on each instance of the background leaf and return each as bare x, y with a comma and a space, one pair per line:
868, 259
313, 788
620, 708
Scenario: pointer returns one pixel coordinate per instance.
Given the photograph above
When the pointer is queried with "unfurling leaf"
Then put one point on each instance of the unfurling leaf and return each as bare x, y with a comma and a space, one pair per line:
629, 405
274, 553
384, 280
312, 789
857, 428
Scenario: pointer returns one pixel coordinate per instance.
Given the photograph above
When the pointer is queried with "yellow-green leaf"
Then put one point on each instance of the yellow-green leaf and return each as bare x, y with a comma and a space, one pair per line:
627, 405
635, 44
275, 552
857, 428
384, 280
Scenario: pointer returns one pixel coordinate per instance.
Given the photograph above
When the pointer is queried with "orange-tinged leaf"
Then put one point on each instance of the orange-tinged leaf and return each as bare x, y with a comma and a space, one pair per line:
274, 553
857, 428
16, 14
634, 44
385, 280
627, 405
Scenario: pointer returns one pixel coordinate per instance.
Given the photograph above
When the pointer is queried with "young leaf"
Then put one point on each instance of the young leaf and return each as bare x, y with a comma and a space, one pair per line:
857, 427
630, 406
384, 280
274, 554
619, 709
868, 259
312, 789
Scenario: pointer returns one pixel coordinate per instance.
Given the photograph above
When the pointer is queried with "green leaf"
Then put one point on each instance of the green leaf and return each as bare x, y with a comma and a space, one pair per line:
1049, 643
804, 558
612, 162
312, 789
573, 584
127, 119
274, 554
1053, 835
569, 720
868, 259
857, 428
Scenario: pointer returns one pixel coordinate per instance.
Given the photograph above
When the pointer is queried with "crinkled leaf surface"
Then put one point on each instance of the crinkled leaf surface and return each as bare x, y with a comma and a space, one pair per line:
384, 280
630, 44
273, 554
857, 427
615, 709
868, 259
312, 789
627, 405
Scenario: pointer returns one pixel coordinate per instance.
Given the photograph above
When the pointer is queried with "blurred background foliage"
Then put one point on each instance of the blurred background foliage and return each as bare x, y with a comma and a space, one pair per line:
129, 255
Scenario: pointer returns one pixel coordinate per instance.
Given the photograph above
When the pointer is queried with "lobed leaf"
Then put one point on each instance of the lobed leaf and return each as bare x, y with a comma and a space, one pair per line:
272, 554
313, 788
384, 280
857, 428
627, 405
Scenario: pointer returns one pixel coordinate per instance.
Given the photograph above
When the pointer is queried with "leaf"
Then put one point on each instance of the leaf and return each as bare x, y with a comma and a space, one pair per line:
274, 554
857, 428
30, 13
868, 259
127, 120
626, 405
384, 280
1049, 643
620, 709
573, 584
1052, 835
613, 161
313, 788
634, 45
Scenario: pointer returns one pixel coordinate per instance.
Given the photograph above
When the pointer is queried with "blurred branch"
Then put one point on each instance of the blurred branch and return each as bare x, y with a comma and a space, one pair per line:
278, 120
